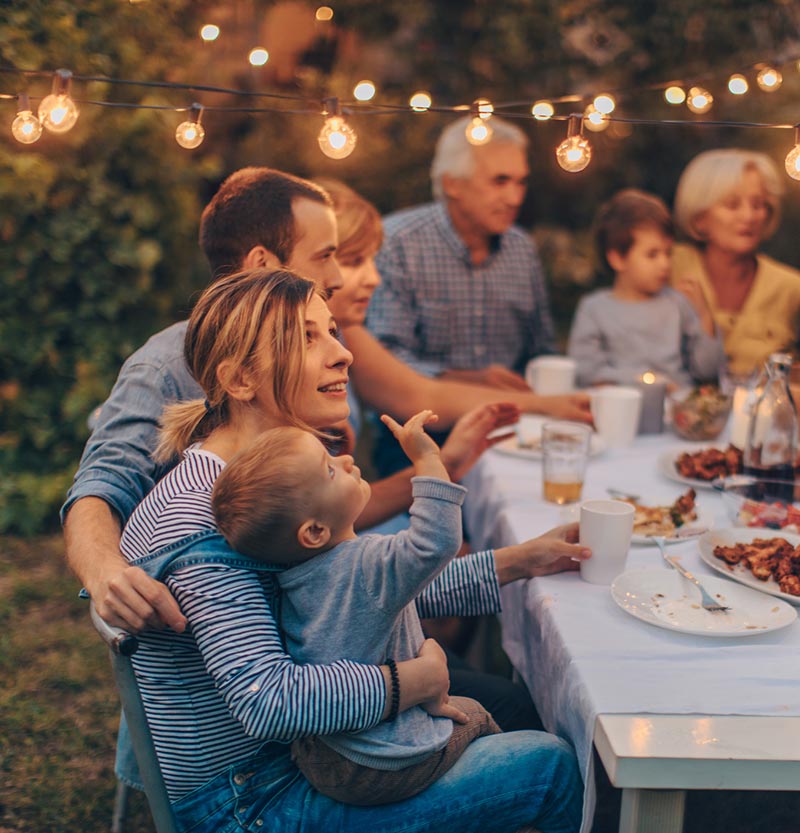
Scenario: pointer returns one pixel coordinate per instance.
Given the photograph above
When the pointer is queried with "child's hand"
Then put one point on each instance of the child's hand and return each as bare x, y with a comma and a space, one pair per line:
412, 437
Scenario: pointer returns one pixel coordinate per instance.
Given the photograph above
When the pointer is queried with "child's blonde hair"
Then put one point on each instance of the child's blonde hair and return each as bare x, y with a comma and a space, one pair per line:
226, 326
357, 220
262, 496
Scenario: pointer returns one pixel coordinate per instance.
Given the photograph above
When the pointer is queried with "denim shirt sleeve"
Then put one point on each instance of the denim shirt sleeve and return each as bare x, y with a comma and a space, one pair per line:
116, 464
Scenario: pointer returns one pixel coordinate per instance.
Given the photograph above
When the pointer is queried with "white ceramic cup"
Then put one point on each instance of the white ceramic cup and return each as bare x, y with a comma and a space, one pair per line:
616, 412
606, 527
550, 375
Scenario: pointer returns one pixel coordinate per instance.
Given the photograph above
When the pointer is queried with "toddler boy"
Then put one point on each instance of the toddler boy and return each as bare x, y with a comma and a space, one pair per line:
286, 500
641, 324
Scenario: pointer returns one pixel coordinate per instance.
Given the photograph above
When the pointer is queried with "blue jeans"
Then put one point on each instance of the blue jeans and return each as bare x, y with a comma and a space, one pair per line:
500, 783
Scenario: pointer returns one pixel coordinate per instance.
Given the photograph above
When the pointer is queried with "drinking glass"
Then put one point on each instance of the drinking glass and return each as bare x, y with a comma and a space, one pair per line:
565, 451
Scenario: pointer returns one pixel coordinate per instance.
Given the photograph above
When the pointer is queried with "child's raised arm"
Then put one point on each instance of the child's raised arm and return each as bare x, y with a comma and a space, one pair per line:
418, 445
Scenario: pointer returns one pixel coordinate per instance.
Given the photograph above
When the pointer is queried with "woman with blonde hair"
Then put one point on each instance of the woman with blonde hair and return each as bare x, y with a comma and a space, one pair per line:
727, 204
223, 699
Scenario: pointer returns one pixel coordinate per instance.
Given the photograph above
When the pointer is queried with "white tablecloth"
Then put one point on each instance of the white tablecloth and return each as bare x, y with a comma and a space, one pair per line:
579, 653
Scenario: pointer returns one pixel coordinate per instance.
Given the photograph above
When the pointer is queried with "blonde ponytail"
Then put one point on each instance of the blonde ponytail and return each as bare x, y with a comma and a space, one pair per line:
179, 428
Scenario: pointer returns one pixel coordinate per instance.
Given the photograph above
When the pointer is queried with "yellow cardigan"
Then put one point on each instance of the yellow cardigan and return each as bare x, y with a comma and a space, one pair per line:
769, 318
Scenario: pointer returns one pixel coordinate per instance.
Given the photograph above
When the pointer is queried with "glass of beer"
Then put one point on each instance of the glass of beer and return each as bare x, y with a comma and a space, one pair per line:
565, 450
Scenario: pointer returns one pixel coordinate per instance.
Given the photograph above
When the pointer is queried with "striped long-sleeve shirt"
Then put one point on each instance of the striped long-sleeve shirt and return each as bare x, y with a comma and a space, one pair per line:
217, 692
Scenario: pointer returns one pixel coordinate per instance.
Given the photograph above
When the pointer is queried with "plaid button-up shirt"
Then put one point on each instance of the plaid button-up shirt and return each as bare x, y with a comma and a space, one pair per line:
437, 311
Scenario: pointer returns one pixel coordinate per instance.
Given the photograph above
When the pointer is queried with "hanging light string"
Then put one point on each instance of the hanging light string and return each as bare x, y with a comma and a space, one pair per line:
58, 111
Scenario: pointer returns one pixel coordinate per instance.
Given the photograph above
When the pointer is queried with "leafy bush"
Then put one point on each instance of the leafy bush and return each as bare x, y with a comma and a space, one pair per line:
98, 232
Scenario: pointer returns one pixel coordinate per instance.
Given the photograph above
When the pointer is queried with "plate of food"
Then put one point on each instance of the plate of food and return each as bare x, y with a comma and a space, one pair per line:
527, 441
699, 467
758, 558
663, 598
677, 519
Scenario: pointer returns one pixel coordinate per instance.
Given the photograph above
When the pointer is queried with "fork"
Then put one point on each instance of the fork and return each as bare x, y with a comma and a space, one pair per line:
707, 601
618, 494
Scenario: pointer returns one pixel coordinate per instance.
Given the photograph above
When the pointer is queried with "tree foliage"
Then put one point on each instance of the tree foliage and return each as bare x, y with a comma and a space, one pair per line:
98, 229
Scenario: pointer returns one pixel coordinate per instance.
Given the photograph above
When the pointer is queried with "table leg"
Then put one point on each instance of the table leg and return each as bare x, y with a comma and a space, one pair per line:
652, 811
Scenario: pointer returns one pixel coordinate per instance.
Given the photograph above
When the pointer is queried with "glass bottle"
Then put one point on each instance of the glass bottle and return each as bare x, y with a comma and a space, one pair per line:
771, 448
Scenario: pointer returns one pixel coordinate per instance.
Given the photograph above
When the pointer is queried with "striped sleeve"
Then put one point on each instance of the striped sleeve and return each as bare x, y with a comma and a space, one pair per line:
273, 698
468, 586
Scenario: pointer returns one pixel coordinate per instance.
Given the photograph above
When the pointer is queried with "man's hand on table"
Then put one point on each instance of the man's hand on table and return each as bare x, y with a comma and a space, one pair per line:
554, 552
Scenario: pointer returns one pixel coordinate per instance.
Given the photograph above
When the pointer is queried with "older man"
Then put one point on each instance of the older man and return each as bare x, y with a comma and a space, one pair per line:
463, 293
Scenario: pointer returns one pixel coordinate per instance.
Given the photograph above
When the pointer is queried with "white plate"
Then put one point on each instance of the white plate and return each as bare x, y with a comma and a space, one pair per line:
689, 532
666, 466
527, 442
738, 572
662, 597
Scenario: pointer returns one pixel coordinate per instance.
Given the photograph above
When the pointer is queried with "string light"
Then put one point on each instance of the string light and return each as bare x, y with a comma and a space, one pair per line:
324, 13
769, 79
575, 152
57, 111
337, 139
478, 132
258, 56
737, 84
190, 134
542, 110
674, 94
604, 103
25, 128
793, 156
699, 100
594, 119
420, 101
364, 91
209, 32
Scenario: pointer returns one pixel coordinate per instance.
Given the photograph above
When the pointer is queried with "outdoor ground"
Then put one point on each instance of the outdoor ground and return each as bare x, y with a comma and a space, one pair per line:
58, 715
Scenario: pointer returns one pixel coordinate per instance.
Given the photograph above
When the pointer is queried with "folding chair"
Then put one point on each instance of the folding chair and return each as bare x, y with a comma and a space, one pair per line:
121, 646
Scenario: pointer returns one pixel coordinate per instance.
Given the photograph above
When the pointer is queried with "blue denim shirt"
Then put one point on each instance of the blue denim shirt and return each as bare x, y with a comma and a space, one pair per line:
116, 464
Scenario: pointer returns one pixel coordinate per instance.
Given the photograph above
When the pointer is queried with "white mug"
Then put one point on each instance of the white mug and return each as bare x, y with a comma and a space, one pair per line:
615, 411
606, 527
549, 375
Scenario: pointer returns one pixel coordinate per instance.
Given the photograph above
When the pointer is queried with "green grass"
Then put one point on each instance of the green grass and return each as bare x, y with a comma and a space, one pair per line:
58, 706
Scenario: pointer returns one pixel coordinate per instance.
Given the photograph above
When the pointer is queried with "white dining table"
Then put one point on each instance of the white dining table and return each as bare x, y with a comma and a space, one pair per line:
666, 711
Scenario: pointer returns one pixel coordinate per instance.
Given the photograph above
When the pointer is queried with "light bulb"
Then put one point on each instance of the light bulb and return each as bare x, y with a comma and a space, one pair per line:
793, 162
737, 84
420, 101
337, 139
484, 107
574, 154
258, 56
604, 103
190, 133
542, 110
699, 100
25, 128
57, 111
594, 119
769, 79
674, 95
324, 13
478, 131
209, 32
364, 91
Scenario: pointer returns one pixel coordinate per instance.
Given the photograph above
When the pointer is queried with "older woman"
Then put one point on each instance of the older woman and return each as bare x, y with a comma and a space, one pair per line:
223, 698
727, 203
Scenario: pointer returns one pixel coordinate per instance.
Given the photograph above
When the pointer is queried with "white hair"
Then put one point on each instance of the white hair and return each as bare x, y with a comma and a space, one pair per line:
713, 174
454, 154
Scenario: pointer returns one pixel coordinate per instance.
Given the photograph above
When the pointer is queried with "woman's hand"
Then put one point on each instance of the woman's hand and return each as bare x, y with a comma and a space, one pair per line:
570, 406
553, 552
439, 705
690, 287
470, 436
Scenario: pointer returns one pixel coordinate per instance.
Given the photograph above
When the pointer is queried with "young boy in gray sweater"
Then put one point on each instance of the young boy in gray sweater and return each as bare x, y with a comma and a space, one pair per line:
286, 500
641, 324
